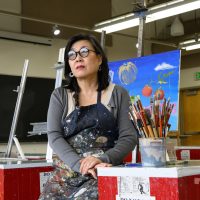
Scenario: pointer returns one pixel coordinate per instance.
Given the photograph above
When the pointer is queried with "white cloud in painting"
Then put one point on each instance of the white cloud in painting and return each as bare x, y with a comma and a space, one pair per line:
164, 66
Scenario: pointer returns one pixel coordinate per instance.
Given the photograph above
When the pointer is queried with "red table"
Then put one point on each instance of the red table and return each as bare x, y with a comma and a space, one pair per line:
22, 180
147, 183
188, 152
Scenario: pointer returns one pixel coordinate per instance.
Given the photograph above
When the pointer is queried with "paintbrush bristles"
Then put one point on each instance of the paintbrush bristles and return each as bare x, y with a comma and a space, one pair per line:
152, 122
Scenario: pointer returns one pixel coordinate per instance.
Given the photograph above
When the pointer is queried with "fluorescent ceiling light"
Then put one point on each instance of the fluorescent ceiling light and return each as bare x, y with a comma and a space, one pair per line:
172, 9
190, 44
187, 42
192, 47
117, 24
154, 13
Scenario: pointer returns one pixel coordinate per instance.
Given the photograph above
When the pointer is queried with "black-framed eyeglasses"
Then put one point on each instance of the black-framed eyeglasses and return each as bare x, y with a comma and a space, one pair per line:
83, 52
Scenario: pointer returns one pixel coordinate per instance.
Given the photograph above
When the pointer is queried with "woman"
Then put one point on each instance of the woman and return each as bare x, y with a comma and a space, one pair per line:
88, 123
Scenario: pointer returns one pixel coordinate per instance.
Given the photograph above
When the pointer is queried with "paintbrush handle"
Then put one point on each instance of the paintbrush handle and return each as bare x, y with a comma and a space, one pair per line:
146, 131
150, 131
155, 132
160, 128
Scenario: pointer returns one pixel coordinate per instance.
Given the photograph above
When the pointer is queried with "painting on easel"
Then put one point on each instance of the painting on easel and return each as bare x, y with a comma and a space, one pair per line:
154, 76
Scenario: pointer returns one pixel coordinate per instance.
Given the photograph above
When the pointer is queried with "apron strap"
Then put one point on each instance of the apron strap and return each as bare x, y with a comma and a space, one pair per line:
105, 100
99, 97
71, 103
107, 97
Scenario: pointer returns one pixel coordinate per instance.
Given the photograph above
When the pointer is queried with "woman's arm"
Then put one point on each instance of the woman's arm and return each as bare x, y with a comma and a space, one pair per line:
65, 152
127, 133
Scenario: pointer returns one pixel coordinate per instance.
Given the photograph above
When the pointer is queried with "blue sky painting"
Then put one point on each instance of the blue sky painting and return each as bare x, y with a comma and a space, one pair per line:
157, 71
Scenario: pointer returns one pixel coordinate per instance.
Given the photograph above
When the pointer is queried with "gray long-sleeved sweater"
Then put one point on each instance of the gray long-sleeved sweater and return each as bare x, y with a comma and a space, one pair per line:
119, 106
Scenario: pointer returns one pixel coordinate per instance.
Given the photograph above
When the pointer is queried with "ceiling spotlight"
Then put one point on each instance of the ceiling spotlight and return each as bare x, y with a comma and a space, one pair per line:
56, 30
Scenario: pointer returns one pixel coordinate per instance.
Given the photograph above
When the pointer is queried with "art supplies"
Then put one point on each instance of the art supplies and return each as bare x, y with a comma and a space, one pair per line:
152, 122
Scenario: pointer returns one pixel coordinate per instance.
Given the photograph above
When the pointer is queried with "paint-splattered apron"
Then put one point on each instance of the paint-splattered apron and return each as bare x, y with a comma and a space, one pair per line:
90, 130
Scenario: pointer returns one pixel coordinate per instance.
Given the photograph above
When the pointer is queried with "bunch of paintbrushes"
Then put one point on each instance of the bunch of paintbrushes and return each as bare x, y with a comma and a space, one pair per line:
151, 122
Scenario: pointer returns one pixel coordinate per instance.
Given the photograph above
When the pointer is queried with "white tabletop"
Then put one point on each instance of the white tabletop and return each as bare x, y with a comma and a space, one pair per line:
172, 171
188, 147
13, 163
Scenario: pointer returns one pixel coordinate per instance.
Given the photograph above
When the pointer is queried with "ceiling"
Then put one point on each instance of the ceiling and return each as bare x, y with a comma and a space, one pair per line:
37, 17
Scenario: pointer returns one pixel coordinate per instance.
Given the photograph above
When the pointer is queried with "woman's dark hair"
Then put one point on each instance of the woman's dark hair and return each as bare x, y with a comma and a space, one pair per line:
103, 74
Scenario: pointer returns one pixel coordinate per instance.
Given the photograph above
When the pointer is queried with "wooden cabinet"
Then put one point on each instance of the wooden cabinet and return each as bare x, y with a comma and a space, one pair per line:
190, 116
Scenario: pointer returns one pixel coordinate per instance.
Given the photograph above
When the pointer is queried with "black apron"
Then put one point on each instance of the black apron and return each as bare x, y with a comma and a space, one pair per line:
90, 130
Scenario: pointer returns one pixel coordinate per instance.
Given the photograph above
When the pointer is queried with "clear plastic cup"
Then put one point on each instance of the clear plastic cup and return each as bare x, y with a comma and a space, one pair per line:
153, 152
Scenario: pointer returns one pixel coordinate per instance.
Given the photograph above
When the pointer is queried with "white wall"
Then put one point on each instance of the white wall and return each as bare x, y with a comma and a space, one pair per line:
121, 49
33, 147
124, 48
187, 78
41, 58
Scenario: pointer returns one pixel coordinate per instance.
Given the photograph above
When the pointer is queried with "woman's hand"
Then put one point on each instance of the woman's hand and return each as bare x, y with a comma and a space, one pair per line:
103, 165
88, 164
93, 171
